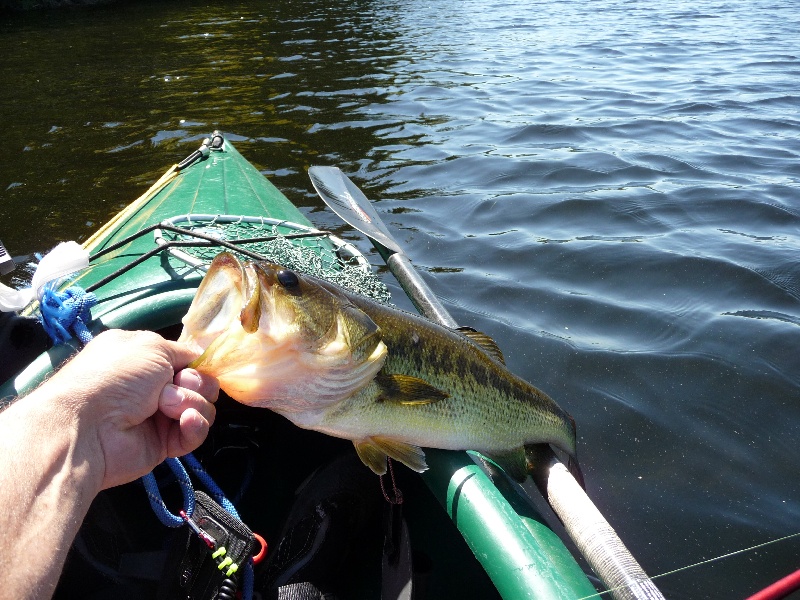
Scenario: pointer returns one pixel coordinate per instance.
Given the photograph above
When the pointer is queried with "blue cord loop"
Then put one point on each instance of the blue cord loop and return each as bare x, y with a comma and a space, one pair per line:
157, 503
213, 489
66, 314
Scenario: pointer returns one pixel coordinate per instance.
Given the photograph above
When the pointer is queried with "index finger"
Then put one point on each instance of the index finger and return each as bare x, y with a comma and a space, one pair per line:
202, 383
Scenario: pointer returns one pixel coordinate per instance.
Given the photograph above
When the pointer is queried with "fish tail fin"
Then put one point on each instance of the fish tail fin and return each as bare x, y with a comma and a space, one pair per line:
539, 455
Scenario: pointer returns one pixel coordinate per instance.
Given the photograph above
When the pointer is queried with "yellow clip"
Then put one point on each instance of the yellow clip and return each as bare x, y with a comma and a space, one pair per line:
225, 563
232, 570
219, 552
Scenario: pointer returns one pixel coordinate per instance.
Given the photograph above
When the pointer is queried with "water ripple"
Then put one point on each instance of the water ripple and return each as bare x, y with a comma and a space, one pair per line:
608, 188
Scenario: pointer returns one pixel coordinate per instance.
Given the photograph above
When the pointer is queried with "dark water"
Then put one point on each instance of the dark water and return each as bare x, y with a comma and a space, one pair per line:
610, 188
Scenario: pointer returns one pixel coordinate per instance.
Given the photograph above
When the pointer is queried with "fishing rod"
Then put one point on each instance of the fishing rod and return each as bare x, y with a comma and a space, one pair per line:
586, 526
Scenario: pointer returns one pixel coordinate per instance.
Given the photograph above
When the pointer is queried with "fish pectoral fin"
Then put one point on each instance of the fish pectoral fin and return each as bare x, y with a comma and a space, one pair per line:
485, 342
407, 390
373, 452
513, 462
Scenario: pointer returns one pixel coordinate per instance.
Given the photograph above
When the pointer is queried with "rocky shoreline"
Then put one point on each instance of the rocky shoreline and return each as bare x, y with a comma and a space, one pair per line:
22, 5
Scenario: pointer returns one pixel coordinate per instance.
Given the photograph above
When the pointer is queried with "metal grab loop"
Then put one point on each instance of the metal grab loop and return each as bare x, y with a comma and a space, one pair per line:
217, 140
202, 152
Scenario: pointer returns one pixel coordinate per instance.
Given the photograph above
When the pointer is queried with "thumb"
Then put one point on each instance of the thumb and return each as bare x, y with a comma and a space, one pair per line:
180, 354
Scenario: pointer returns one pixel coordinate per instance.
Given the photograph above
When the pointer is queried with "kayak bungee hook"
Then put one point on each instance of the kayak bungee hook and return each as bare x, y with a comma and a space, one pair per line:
214, 143
202, 152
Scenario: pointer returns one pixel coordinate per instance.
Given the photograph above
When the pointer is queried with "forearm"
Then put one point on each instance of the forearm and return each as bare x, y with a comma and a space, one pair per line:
109, 416
48, 478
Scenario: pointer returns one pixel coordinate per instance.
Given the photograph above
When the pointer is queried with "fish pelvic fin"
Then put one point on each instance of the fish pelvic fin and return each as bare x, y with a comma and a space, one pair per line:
407, 390
373, 452
486, 343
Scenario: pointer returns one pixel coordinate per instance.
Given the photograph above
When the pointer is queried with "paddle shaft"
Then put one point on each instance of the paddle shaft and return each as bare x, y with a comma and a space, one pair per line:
414, 286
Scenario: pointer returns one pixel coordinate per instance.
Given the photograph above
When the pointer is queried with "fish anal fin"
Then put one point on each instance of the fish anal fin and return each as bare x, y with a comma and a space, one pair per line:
484, 341
513, 462
410, 455
373, 452
407, 390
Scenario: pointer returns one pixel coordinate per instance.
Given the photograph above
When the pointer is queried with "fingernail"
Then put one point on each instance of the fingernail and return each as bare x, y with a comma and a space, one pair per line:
191, 379
172, 395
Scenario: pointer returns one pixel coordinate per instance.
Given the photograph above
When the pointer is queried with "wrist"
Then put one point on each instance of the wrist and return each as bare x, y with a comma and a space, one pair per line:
75, 455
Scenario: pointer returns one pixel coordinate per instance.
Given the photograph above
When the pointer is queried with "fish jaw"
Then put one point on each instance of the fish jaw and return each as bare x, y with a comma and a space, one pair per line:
253, 342
217, 303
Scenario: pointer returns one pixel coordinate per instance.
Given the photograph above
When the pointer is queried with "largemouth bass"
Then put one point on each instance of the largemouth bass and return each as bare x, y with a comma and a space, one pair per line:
336, 362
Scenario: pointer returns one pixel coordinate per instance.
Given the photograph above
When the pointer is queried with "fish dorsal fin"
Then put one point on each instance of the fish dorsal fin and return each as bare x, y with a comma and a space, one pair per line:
484, 341
373, 452
407, 390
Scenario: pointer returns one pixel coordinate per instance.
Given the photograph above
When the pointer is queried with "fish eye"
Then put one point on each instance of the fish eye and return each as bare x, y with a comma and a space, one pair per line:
287, 279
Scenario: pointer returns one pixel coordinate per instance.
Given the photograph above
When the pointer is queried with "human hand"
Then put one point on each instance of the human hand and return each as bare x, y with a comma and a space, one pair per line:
134, 402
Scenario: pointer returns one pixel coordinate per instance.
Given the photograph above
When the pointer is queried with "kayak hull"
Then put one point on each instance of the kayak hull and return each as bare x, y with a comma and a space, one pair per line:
484, 517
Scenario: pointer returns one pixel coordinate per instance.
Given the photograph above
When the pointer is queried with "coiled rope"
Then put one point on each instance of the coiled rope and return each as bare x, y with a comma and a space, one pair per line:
66, 314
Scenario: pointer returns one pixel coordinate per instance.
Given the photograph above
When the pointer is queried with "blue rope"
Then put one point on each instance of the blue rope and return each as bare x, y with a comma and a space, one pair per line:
214, 490
248, 580
65, 314
157, 503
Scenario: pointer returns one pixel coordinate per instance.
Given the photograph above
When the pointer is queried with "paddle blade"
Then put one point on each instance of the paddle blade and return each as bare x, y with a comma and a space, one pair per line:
346, 200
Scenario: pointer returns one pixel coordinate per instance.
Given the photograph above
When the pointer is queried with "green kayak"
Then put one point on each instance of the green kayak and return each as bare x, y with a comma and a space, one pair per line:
472, 534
